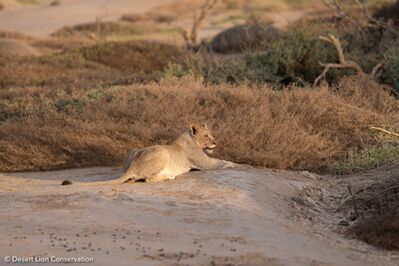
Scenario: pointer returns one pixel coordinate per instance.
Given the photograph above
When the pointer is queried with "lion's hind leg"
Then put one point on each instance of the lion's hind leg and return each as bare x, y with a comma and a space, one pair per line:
152, 165
158, 178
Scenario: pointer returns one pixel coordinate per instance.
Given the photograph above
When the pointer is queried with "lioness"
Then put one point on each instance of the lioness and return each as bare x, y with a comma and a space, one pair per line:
163, 162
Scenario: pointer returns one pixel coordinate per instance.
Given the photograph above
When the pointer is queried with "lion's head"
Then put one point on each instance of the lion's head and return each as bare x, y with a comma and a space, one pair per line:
202, 136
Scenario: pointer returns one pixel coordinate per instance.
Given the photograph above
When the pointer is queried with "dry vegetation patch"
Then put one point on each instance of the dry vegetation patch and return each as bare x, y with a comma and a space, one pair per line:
91, 66
133, 56
60, 70
15, 47
293, 128
107, 30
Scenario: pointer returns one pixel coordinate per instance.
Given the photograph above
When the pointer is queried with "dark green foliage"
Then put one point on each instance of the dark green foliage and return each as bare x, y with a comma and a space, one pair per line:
298, 56
295, 57
392, 67
69, 104
389, 12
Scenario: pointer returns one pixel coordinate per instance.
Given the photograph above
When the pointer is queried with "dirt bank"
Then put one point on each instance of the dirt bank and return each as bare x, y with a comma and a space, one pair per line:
243, 216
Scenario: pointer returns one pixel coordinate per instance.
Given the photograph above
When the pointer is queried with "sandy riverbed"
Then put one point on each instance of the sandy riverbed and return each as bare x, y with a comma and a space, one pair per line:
241, 216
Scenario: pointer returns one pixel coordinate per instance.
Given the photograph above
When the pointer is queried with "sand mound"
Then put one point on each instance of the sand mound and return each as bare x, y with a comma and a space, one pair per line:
14, 47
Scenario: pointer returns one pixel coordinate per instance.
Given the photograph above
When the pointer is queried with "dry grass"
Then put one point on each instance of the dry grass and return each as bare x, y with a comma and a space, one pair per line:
61, 71
294, 128
133, 56
91, 66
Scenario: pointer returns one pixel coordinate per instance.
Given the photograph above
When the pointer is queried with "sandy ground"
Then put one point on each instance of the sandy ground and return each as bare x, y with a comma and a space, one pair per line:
40, 20
240, 216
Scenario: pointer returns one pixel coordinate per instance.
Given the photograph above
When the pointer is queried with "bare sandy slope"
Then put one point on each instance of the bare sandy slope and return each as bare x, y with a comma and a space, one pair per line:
241, 216
40, 20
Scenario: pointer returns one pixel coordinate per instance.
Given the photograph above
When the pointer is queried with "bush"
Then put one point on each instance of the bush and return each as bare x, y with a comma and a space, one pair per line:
298, 56
295, 56
70, 104
392, 67
389, 12
366, 158
289, 59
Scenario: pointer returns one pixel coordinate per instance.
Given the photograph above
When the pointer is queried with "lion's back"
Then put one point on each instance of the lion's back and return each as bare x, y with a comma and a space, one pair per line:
158, 151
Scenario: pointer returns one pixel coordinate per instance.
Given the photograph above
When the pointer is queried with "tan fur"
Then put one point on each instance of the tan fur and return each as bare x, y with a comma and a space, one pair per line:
163, 162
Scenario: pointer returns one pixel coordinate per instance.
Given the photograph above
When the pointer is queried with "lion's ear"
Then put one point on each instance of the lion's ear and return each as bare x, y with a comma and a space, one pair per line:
193, 129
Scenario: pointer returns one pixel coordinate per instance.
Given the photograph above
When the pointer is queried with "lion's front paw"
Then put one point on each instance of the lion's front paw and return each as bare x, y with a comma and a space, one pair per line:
228, 164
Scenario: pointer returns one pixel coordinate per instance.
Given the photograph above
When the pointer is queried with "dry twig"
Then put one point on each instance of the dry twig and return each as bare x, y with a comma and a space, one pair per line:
385, 131
191, 37
334, 5
343, 63
353, 201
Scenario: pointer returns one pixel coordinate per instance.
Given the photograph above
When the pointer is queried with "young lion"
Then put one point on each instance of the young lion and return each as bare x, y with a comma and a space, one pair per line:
163, 162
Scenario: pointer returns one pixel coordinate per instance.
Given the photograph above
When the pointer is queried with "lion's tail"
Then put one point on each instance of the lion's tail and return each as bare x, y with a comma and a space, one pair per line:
127, 176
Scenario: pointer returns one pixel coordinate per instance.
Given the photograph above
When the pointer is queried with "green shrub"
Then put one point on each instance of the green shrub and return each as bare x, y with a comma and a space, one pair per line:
65, 105
193, 65
367, 158
298, 56
289, 59
94, 94
174, 70
389, 11
252, 67
392, 66
295, 57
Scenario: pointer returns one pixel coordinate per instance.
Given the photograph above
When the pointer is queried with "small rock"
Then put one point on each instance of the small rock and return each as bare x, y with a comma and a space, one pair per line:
309, 175
66, 183
352, 217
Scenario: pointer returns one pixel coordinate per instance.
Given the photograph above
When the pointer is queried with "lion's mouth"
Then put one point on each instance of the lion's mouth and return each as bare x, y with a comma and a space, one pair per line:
209, 150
